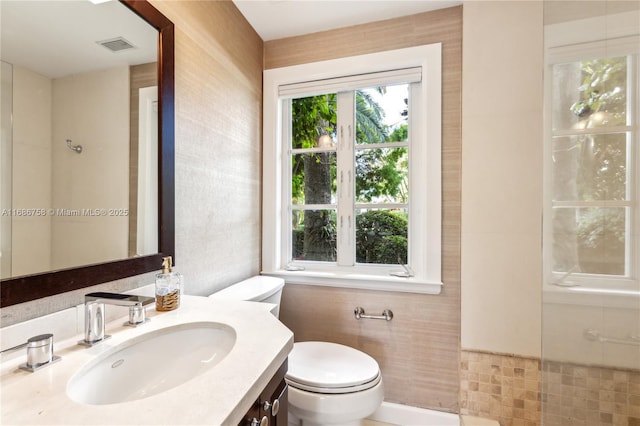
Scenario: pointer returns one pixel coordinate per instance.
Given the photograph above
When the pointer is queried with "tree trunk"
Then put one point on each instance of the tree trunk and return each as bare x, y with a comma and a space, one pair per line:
319, 232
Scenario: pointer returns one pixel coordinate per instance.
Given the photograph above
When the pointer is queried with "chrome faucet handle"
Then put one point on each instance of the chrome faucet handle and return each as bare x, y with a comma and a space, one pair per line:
39, 353
137, 316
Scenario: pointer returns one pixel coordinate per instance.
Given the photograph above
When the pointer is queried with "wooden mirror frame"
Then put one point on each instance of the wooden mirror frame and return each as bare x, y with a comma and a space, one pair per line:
32, 287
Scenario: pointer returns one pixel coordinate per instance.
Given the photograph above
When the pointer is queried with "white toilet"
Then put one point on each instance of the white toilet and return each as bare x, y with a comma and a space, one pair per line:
329, 384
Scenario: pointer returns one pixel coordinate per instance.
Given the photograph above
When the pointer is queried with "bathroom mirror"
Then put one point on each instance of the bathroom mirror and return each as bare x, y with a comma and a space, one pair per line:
132, 260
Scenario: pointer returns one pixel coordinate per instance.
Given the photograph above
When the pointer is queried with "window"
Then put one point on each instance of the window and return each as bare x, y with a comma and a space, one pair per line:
591, 158
344, 148
350, 199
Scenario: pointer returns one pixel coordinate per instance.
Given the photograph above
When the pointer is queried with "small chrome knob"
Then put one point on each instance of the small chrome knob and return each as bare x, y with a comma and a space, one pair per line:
274, 407
262, 422
137, 315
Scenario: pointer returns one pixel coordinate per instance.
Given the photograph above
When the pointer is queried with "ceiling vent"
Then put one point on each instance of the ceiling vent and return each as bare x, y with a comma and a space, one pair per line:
116, 44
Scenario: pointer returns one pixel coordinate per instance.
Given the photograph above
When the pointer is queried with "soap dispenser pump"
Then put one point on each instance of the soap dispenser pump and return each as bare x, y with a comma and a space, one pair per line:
168, 287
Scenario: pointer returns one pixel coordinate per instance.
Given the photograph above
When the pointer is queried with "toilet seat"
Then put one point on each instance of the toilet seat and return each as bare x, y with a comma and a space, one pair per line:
336, 391
331, 368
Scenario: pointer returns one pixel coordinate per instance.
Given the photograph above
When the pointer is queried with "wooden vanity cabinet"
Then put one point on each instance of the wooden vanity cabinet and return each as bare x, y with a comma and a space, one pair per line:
270, 409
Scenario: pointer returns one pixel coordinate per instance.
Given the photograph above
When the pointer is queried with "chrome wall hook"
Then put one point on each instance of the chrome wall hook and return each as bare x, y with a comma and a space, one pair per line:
76, 148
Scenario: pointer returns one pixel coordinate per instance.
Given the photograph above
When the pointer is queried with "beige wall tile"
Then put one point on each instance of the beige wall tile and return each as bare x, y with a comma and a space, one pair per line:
509, 396
31, 171
99, 176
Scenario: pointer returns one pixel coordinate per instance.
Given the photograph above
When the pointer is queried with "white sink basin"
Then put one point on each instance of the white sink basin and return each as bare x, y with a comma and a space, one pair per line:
152, 363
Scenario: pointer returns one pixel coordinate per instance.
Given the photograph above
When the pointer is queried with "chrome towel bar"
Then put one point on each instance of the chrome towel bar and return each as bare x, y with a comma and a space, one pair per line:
386, 314
595, 336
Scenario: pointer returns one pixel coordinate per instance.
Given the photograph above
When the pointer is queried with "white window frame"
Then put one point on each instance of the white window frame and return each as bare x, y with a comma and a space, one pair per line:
424, 179
610, 36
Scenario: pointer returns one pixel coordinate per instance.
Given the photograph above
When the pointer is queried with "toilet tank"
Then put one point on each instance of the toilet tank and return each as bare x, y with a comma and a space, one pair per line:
256, 289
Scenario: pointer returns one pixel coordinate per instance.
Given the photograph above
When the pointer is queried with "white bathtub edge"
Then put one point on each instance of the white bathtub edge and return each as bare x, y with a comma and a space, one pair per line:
477, 421
406, 415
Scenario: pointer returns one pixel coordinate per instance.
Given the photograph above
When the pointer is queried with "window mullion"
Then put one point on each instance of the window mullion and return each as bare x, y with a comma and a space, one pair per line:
346, 177
286, 243
633, 172
605, 130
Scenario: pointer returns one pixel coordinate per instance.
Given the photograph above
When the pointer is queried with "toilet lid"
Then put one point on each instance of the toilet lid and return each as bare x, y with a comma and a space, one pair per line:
324, 365
256, 288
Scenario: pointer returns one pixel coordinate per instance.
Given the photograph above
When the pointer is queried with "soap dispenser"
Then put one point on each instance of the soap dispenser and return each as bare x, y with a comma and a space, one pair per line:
168, 287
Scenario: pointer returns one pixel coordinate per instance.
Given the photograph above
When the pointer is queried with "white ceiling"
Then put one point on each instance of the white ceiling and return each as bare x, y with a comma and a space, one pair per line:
58, 38
55, 38
274, 19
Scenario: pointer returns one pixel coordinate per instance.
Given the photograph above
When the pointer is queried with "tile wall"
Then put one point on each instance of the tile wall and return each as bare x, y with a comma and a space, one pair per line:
520, 391
574, 394
502, 387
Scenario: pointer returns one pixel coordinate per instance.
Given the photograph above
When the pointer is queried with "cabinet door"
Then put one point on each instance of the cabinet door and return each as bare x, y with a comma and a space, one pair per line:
272, 405
274, 399
252, 415
279, 418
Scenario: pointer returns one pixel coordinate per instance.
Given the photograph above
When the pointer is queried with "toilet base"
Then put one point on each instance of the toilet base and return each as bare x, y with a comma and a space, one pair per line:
313, 409
357, 423
294, 421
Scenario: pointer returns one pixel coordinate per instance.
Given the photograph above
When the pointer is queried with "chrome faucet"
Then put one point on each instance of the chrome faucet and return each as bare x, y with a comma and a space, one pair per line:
94, 313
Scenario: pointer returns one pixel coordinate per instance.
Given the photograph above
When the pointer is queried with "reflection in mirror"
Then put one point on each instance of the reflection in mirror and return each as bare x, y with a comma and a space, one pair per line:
590, 311
79, 127
116, 174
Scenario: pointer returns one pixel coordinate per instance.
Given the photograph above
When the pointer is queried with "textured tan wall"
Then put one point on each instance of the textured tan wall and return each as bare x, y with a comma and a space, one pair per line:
418, 350
218, 143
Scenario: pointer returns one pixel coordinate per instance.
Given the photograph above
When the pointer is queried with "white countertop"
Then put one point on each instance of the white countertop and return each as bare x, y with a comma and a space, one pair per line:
220, 396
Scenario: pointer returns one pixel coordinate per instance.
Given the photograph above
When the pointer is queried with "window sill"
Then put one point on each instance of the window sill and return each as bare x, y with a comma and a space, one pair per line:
358, 281
626, 297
